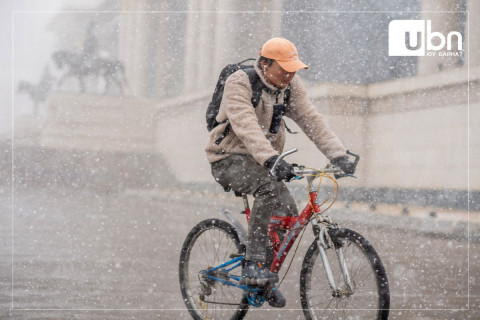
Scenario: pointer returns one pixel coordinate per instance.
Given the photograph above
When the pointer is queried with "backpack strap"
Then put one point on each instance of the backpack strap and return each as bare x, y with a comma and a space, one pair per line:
286, 100
257, 86
224, 134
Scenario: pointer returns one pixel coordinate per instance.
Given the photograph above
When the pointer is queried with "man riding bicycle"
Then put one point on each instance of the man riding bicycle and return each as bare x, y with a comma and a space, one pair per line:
242, 156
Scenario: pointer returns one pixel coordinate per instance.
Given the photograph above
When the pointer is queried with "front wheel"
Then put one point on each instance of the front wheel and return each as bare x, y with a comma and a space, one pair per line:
209, 244
369, 297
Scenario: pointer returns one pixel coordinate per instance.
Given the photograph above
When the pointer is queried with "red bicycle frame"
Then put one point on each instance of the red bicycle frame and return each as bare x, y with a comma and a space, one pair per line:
293, 225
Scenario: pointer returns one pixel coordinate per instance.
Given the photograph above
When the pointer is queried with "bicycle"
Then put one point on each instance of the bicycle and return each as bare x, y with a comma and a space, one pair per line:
354, 288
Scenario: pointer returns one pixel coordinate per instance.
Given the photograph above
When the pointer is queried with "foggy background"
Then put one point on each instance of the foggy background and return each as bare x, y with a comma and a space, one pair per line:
108, 182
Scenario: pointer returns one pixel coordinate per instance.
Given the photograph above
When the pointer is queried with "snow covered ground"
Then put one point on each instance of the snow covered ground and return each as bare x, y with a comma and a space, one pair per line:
84, 255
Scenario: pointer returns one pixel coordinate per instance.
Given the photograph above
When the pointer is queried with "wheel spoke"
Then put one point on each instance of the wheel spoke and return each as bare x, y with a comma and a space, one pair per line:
365, 278
324, 301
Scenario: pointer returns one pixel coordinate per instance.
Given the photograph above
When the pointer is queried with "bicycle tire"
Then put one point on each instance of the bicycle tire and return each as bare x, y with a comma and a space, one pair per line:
217, 235
363, 263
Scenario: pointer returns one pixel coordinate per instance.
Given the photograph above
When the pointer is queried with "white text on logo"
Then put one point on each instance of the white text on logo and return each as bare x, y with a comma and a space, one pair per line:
415, 38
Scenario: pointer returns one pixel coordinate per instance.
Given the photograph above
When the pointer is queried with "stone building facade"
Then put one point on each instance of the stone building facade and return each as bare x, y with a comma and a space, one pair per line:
416, 127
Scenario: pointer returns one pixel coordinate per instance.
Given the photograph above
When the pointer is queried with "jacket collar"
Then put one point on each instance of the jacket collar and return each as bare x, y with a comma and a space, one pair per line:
271, 88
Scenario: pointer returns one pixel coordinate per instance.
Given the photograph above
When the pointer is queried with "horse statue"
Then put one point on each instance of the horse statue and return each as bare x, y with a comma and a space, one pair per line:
38, 93
73, 63
90, 63
112, 70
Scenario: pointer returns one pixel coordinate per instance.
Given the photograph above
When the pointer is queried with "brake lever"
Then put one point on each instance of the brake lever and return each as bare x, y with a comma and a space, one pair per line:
295, 165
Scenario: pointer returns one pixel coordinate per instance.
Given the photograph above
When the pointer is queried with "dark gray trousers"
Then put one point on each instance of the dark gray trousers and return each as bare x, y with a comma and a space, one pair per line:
243, 174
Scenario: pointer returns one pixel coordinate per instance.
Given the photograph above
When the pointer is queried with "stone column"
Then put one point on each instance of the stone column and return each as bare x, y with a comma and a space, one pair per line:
225, 37
168, 41
200, 44
443, 20
134, 46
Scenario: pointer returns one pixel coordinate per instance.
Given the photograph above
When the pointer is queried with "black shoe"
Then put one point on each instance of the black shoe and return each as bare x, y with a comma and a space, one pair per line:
255, 274
275, 298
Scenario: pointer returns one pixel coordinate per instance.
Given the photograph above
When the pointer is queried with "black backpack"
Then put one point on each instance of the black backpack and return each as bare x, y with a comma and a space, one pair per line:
257, 87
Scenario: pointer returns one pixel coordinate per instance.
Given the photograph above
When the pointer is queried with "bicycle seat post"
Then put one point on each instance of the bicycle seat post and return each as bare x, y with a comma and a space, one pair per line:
245, 203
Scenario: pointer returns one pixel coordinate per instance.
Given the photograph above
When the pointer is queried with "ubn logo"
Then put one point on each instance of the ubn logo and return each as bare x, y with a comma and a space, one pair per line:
409, 38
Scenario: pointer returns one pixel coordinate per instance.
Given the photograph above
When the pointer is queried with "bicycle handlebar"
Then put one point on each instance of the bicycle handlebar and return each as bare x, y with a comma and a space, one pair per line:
302, 171
330, 168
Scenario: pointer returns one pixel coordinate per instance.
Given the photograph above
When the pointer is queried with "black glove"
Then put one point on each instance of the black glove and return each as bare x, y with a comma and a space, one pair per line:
283, 171
343, 163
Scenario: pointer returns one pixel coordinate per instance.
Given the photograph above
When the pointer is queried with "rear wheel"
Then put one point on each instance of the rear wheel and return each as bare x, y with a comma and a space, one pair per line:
209, 244
370, 298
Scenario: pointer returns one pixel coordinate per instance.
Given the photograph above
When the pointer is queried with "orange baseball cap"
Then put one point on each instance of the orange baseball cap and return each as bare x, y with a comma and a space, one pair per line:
284, 52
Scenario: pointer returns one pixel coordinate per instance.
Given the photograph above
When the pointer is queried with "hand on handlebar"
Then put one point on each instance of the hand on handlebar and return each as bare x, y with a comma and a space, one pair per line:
345, 164
283, 170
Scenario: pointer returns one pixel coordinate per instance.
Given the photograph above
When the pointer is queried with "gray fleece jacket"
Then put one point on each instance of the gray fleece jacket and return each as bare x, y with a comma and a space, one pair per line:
249, 133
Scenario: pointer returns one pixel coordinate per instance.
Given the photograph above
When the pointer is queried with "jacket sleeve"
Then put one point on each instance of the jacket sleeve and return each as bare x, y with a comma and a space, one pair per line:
240, 112
302, 111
